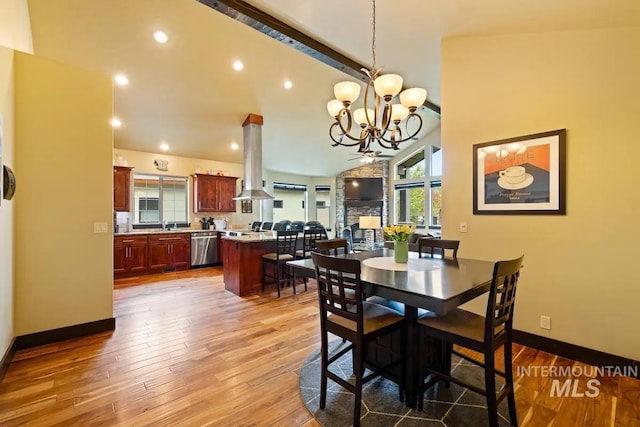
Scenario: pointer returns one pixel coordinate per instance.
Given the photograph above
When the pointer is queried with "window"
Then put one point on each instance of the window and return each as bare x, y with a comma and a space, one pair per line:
436, 204
160, 199
436, 161
413, 167
418, 189
410, 203
149, 211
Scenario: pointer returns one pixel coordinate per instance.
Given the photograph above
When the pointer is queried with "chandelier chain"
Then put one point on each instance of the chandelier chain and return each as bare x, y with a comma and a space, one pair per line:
373, 36
382, 122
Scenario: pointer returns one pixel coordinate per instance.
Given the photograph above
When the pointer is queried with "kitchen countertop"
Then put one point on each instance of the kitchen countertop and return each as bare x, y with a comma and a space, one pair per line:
252, 236
180, 230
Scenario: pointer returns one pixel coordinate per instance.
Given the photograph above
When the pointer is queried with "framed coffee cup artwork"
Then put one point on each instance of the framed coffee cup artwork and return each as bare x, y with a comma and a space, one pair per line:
524, 175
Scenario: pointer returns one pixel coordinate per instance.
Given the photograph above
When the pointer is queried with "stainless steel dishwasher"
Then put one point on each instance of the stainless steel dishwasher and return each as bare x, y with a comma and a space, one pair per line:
204, 248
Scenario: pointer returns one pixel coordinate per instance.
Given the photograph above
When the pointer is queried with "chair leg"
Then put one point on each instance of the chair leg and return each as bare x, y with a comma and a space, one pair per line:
294, 280
324, 357
448, 349
358, 368
403, 365
421, 370
508, 372
490, 387
278, 277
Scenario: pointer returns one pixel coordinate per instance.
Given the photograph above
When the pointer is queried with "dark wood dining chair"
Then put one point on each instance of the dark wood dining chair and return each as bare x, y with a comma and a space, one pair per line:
482, 334
332, 246
344, 314
285, 251
309, 238
437, 246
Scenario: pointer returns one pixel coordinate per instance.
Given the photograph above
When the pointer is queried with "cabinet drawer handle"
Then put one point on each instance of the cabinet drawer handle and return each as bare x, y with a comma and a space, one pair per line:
127, 241
170, 238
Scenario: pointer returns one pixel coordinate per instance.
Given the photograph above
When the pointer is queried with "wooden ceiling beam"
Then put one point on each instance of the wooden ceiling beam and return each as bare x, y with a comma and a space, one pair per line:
269, 25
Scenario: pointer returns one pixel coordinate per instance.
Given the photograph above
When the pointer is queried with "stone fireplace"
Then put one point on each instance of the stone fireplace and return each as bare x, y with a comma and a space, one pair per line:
348, 212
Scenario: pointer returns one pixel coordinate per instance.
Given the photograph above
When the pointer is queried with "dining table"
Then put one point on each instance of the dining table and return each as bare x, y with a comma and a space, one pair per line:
435, 284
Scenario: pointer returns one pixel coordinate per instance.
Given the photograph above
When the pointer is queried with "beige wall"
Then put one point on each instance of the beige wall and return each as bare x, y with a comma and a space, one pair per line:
580, 268
292, 202
63, 270
15, 33
7, 207
15, 25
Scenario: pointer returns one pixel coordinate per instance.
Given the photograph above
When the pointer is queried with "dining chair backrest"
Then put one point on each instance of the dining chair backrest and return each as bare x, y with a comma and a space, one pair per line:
437, 246
339, 288
502, 295
347, 234
255, 225
310, 237
332, 247
286, 242
266, 226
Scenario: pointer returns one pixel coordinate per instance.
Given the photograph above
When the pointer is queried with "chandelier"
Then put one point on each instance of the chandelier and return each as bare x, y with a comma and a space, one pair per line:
382, 122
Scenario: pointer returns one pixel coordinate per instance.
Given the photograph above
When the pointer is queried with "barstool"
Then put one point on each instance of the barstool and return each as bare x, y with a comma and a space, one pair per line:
285, 251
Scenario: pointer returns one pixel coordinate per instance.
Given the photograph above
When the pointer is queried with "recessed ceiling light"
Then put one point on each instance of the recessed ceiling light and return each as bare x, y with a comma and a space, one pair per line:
288, 84
234, 146
160, 36
164, 146
115, 122
121, 80
238, 65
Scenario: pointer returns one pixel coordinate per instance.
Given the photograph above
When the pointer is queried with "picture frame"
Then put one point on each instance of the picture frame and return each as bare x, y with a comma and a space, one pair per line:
247, 206
524, 175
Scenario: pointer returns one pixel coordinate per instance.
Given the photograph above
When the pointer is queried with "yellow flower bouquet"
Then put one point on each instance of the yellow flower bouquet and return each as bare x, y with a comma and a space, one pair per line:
399, 233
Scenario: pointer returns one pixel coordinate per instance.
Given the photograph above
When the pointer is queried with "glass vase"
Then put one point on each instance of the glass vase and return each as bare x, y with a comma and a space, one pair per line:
401, 252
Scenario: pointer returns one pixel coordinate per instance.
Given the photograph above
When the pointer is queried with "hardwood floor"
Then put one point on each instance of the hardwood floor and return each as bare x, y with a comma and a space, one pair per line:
186, 352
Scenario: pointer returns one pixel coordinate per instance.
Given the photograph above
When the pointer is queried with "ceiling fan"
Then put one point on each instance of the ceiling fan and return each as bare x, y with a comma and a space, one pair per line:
369, 156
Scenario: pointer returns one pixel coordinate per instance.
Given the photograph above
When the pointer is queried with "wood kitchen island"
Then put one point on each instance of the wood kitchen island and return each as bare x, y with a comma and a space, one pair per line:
242, 260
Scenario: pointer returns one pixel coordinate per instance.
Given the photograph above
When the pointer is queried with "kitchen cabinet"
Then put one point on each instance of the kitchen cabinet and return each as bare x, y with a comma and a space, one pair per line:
214, 193
130, 255
121, 188
169, 251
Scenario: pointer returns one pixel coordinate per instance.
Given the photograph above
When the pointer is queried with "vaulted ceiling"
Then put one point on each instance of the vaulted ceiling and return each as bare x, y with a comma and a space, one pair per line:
186, 93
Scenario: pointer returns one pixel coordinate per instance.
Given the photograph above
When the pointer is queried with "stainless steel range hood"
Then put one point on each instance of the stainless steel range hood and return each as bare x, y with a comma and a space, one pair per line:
252, 138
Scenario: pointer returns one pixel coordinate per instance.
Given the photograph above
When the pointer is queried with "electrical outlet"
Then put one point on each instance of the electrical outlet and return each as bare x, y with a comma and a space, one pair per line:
99, 227
545, 322
463, 226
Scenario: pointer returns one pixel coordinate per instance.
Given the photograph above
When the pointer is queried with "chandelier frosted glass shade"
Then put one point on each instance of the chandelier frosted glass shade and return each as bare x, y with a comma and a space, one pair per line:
346, 91
380, 123
413, 97
387, 86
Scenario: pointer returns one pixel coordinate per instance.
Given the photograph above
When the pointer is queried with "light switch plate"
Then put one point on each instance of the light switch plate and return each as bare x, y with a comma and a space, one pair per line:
99, 227
545, 322
463, 226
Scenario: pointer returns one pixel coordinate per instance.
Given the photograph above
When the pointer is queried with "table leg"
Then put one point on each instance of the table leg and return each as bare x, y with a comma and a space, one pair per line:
413, 370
